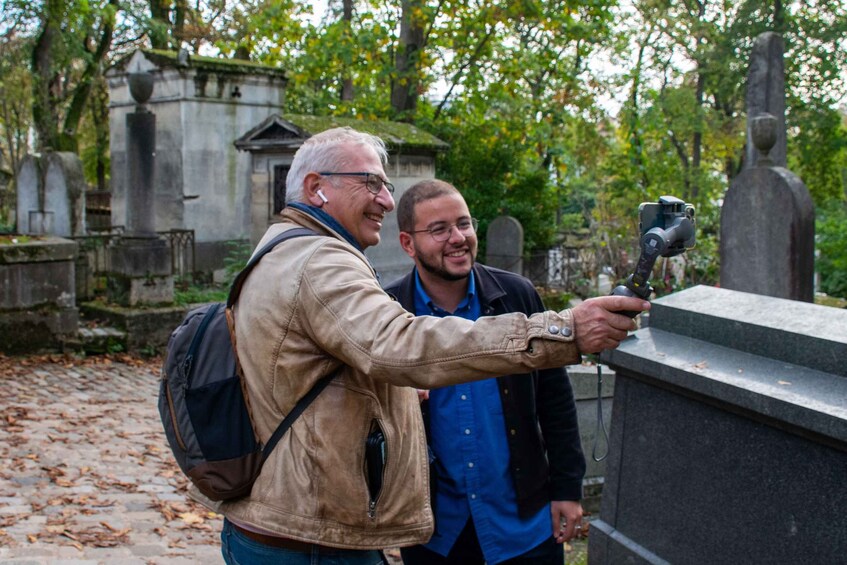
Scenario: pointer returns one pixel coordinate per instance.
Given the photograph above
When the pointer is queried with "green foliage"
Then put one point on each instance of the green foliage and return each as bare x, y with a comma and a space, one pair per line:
831, 263
818, 151
555, 300
238, 252
199, 295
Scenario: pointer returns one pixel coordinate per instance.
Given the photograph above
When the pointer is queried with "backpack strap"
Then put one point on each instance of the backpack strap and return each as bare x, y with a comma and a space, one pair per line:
298, 409
234, 292
238, 283
235, 289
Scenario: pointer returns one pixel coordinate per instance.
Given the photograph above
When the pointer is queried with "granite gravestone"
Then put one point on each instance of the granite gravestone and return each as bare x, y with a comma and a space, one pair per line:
767, 218
140, 261
64, 193
504, 244
51, 195
768, 227
729, 434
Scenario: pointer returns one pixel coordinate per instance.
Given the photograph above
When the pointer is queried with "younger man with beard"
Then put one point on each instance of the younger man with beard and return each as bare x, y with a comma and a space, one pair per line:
508, 467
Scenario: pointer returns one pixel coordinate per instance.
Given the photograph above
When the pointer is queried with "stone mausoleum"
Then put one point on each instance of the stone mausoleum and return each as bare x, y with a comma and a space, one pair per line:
223, 148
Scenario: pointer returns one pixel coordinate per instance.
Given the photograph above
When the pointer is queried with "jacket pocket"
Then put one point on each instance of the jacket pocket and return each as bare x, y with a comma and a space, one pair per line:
376, 451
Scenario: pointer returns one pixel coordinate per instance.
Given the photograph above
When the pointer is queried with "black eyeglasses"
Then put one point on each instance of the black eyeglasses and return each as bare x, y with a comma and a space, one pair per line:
442, 231
373, 183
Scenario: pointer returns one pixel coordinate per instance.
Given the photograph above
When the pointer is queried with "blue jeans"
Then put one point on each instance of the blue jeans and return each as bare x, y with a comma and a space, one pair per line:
238, 549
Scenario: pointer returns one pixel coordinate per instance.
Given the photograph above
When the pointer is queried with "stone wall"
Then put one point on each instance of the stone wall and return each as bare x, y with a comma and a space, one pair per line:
37, 294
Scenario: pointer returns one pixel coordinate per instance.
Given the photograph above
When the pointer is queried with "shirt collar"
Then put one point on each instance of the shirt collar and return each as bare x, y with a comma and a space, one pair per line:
422, 299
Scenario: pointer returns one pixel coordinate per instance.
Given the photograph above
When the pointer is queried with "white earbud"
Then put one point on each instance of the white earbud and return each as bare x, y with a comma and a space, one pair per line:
322, 196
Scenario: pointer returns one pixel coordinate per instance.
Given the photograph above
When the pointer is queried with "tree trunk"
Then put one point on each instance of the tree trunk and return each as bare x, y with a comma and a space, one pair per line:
100, 118
346, 81
404, 88
178, 33
93, 70
160, 13
45, 82
636, 141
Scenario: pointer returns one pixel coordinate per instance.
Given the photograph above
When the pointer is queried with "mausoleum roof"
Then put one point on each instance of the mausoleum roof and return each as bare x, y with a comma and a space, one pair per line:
184, 60
291, 130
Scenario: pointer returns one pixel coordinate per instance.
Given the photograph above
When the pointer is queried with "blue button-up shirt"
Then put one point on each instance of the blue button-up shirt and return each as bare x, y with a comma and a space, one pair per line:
472, 460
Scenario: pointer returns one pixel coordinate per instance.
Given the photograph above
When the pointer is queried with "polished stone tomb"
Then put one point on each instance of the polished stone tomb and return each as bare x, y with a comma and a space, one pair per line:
729, 434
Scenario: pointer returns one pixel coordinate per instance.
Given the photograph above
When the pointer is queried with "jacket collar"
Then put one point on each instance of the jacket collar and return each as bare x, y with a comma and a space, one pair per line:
327, 220
487, 288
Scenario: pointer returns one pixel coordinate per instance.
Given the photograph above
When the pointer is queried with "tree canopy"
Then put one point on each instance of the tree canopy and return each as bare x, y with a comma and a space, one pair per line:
563, 113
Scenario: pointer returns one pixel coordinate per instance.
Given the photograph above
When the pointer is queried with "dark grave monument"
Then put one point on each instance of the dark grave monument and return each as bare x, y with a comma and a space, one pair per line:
140, 261
767, 218
766, 95
728, 435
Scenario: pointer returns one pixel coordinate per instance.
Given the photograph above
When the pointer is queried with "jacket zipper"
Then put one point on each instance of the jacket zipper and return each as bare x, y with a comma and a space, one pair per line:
374, 500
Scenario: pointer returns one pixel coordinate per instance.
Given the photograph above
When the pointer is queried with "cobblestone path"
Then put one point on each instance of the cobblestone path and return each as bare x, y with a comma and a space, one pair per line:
85, 473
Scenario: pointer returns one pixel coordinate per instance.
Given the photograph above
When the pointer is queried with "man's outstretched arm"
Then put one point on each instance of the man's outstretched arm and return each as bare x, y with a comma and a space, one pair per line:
599, 326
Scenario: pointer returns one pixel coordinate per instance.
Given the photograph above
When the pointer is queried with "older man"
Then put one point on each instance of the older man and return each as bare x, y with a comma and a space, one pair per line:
313, 307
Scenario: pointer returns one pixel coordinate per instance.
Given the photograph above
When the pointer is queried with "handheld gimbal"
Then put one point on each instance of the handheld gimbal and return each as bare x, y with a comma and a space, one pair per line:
667, 229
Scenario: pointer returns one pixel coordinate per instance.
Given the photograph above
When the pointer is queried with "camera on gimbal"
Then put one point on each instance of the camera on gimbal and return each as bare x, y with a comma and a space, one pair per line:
667, 229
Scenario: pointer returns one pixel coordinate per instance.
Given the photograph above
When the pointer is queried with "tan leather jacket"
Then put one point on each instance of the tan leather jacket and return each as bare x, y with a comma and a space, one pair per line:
313, 306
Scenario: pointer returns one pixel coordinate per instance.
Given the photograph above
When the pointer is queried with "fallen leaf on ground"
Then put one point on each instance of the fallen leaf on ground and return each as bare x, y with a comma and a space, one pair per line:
191, 518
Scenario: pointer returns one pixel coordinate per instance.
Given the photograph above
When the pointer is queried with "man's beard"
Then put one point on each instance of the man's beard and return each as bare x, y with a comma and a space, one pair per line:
441, 272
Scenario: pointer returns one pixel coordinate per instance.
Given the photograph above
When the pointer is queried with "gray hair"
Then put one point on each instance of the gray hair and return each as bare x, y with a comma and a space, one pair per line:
327, 151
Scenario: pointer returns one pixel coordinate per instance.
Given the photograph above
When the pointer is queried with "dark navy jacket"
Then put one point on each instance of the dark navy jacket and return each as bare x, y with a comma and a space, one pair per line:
541, 422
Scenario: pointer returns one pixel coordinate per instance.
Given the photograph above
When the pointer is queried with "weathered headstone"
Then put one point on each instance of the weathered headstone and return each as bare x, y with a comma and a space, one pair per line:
504, 244
51, 195
28, 193
729, 434
766, 94
141, 261
64, 193
768, 226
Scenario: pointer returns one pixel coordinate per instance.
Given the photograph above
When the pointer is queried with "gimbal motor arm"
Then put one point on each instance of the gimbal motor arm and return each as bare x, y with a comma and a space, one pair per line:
657, 242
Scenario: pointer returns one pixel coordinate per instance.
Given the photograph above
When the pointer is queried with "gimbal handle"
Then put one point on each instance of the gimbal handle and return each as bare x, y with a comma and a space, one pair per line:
654, 244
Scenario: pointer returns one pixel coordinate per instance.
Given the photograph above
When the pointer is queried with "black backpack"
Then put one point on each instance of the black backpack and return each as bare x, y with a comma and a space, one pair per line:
202, 403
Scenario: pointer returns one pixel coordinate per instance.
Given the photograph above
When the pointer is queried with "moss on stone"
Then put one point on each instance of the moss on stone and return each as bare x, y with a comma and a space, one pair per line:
395, 134
165, 58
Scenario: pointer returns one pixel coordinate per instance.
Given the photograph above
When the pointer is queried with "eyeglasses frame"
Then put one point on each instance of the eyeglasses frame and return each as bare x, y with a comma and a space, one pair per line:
474, 226
388, 186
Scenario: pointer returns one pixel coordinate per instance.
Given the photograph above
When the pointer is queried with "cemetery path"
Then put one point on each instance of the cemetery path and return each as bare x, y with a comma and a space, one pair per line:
87, 476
